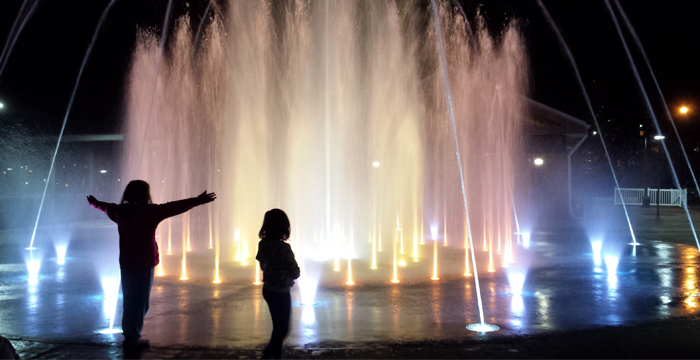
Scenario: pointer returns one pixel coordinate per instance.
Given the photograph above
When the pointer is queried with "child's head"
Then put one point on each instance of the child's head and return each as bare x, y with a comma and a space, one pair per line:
137, 192
275, 226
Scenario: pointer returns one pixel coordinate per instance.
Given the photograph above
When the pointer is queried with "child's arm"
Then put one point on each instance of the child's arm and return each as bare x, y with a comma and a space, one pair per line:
108, 208
178, 207
291, 262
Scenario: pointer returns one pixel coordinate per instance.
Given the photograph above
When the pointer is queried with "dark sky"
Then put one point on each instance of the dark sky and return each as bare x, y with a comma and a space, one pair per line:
44, 64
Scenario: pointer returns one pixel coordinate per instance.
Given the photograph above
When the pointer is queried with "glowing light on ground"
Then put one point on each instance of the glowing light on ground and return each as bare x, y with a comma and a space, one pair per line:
516, 279
217, 279
350, 282
184, 266
395, 278
482, 327
110, 286
402, 263
257, 273
526, 239
611, 263
597, 246
684, 110
307, 290
435, 261
61, 254
33, 267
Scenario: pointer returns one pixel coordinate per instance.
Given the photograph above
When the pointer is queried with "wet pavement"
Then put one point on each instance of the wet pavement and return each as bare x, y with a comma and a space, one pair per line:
565, 293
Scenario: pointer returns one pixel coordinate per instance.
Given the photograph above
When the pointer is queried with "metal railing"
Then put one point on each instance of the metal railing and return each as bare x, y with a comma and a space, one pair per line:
630, 196
667, 197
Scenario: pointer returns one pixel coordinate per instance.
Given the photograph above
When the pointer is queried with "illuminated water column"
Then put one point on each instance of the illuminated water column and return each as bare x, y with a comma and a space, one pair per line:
257, 273
217, 250
350, 282
422, 231
186, 229
467, 272
445, 229
170, 237
159, 272
415, 247
237, 244
185, 242
435, 261
244, 251
400, 234
211, 234
395, 278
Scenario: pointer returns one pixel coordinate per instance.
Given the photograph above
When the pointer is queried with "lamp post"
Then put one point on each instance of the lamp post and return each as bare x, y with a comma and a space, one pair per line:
659, 138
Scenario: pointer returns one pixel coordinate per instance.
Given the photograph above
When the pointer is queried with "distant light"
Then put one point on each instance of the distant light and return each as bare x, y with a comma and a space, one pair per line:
640, 125
9, 169
103, 171
595, 133
659, 137
375, 164
2, 105
683, 109
539, 161
402, 263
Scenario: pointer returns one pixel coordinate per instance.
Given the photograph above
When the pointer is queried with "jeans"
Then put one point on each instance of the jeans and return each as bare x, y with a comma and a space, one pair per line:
136, 287
280, 305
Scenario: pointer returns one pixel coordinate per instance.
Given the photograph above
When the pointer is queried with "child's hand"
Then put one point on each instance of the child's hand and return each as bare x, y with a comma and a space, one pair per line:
206, 197
91, 199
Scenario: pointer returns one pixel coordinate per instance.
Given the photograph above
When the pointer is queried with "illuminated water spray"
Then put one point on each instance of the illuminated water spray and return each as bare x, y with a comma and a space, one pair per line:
65, 118
21, 19
656, 122
445, 78
110, 286
590, 108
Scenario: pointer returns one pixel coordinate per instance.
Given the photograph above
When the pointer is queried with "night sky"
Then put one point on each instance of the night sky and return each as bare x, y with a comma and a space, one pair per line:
42, 68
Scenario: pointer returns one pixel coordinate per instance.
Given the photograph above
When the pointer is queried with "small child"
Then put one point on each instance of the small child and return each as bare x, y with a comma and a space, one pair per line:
279, 269
137, 219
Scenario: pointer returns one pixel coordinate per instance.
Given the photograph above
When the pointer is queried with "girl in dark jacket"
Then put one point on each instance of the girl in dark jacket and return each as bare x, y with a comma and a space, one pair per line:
279, 270
137, 219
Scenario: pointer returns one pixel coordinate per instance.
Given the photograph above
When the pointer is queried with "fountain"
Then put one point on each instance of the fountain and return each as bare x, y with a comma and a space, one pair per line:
343, 126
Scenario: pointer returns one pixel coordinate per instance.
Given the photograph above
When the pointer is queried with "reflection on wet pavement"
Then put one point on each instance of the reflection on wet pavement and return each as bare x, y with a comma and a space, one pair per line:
564, 287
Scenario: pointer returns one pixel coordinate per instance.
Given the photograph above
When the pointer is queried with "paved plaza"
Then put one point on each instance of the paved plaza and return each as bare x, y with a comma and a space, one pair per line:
654, 288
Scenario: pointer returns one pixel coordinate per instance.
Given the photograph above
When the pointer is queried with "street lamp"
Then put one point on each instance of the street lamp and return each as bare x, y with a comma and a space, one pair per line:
659, 138
539, 162
683, 109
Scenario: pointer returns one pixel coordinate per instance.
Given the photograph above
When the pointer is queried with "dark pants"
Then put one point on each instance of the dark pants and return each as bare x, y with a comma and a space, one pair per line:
136, 287
280, 305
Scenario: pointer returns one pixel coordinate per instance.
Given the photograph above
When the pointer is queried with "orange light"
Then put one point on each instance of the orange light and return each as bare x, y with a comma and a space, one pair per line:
683, 110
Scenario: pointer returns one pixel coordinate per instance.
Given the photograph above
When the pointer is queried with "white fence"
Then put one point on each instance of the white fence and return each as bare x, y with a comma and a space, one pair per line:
668, 197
